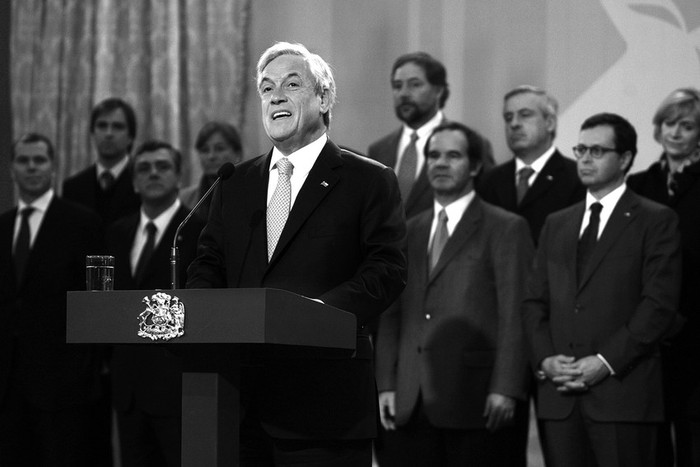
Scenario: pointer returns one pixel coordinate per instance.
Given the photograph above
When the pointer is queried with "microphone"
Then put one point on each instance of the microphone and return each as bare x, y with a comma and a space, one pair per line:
224, 173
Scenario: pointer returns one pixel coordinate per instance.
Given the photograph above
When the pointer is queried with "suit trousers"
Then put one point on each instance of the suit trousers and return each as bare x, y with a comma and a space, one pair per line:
148, 440
420, 444
32, 436
578, 441
258, 449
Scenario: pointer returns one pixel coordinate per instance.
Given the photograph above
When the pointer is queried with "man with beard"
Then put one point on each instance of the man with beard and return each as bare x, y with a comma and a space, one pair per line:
420, 89
106, 186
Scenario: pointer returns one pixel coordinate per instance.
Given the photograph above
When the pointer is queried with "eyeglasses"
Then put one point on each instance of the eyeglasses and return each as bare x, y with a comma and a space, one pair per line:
595, 151
146, 167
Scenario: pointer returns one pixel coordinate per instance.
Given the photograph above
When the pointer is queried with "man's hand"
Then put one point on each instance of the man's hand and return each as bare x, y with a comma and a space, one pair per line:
560, 369
592, 370
387, 409
499, 411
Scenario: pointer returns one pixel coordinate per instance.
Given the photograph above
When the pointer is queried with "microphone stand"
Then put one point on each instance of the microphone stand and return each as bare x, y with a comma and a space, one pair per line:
224, 172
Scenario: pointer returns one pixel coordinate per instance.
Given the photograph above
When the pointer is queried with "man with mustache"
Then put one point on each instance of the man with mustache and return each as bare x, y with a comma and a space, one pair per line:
420, 90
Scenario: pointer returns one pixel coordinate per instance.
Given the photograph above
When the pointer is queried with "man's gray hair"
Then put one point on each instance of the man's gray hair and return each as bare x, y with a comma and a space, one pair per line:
320, 70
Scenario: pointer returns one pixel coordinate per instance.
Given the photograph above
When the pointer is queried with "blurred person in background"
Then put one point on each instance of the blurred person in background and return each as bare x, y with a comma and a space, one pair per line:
674, 180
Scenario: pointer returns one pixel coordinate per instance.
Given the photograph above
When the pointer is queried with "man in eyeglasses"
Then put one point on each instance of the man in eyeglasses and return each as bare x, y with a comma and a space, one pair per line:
602, 296
147, 380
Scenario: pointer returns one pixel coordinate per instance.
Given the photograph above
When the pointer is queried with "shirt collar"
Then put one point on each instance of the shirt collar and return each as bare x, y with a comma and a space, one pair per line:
162, 221
116, 171
302, 159
608, 201
426, 129
40, 204
455, 210
538, 164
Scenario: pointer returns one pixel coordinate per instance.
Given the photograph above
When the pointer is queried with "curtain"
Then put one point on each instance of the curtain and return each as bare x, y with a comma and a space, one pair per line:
179, 63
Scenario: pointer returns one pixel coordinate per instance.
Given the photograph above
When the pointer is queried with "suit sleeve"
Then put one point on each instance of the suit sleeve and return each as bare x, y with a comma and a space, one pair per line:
536, 306
381, 274
512, 255
655, 313
387, 354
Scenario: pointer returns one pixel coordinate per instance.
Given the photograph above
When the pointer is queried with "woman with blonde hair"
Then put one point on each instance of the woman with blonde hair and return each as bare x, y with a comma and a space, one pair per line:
674, 180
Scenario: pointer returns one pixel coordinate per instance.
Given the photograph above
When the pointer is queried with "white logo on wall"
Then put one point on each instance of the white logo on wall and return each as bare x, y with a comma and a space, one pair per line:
662, 53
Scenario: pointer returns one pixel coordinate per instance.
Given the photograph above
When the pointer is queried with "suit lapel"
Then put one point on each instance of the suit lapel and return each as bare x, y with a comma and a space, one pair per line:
418, 249
420, 186
465, 229
544, 180
43, 240
319, 183
505, 189
6, 257
620, 218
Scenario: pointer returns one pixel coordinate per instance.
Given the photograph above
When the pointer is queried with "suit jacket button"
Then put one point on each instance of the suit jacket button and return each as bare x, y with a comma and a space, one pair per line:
420, 349
427, 316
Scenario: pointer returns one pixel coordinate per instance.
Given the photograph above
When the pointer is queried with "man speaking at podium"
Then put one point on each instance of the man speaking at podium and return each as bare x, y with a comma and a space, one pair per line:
322, 222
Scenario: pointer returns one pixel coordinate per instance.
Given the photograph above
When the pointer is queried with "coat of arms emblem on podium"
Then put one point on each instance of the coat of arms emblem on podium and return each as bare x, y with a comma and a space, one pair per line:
163, 318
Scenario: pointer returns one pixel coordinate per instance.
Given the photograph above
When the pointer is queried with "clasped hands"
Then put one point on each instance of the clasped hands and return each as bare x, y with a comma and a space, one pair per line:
571, 375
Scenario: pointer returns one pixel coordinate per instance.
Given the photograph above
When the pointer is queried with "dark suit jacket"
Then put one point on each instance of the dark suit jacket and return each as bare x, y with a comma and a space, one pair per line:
119, 201
555, 188
53, 374
421, 196
149, 376
343, 243
684, 396
455, 335
623, 307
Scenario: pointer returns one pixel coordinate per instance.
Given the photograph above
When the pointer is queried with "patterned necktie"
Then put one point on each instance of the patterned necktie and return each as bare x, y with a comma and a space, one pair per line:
439, 239
22, 243
146, 253
278, 209
523, 182
588, 240
106, 180
407, 169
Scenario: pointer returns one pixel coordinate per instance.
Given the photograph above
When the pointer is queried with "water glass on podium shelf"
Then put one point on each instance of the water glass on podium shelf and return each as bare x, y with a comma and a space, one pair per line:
99, 272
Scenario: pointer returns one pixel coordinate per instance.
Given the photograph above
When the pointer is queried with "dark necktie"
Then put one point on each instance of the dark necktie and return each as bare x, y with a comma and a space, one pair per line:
523, 182
106, 180
146, 253
439, 239
407, 169
281, 201
588, 240
22, 243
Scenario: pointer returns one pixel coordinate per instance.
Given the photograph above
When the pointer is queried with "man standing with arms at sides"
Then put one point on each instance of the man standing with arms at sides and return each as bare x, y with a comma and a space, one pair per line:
539, 180
106, 187
147, 380
322, 222
602, 296
420, 90
451, 358
48, 389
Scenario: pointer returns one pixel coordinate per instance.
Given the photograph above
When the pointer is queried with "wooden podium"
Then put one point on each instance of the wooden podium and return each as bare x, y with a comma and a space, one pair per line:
229, 318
